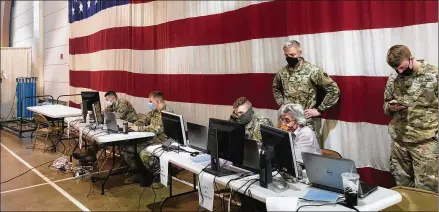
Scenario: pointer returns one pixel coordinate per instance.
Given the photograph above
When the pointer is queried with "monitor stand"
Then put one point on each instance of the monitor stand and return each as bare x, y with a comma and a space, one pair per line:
221, 173
266, 173
215, 164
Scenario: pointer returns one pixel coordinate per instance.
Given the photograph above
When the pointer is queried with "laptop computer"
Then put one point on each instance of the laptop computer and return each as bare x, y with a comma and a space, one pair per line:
197, 135
325, 173
110, 121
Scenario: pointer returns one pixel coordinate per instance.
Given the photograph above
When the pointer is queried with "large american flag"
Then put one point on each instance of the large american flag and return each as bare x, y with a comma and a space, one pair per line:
205, 54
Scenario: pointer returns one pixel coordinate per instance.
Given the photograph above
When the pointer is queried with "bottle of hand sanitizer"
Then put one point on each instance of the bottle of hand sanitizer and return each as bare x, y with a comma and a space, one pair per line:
87, 118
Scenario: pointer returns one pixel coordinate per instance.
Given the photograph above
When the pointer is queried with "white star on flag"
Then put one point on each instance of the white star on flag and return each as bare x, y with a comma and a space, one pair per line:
88, 4
96, 1
80, 7
73, 11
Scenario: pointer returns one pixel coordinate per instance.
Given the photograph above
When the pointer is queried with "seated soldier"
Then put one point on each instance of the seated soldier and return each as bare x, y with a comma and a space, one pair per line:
293, 120
152, 122
122, 108
243, 112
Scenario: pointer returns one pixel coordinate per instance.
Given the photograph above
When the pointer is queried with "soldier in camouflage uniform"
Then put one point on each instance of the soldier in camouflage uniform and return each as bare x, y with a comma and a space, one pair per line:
298, 82
243, 112
152, 123
122, 108
411, 99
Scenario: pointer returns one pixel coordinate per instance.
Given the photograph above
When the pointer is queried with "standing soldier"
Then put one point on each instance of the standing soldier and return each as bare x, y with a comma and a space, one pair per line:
411, 99
298, 82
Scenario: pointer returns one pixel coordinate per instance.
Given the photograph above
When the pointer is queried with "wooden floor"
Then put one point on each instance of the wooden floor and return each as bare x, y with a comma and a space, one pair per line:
45, 189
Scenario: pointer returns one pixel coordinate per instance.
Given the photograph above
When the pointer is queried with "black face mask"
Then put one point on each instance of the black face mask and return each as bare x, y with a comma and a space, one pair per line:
292, 61
246, 117
406, 72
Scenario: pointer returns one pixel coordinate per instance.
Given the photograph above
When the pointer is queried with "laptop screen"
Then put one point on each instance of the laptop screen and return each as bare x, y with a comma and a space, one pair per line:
325, 171
197, 135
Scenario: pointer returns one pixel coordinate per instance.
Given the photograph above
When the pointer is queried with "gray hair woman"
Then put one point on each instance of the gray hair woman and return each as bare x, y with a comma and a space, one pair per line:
293, 120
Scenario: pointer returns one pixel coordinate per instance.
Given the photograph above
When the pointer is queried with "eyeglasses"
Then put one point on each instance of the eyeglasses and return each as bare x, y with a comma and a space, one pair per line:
287, 121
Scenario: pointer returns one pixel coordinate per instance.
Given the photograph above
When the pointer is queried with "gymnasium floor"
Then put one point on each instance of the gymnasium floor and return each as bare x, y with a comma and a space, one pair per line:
45, 189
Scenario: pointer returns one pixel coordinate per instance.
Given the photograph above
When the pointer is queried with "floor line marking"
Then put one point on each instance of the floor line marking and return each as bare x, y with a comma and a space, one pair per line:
56, 181
59, 189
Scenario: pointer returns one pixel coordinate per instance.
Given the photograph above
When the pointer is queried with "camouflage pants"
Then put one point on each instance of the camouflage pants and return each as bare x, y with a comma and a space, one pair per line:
415, 164
150, 161
128, 153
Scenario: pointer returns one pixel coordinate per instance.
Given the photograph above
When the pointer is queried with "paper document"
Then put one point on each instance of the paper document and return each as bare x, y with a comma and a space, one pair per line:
164, 162
201, 158
281, 203
205, 191
321, 195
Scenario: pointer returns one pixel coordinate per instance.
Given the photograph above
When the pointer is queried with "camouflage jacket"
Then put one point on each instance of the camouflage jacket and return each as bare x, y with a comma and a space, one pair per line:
152, 122
419, 93
123, 109
253, 128
299, 86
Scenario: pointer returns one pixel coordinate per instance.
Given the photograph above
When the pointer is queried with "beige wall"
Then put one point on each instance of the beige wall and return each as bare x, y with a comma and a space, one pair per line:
56, 42
44, 26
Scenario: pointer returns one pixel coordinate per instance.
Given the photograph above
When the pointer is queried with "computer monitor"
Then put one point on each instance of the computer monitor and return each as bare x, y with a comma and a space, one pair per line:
197, 137
97, 113
251, 155
88, 99
277, 152
225, 141
173, 127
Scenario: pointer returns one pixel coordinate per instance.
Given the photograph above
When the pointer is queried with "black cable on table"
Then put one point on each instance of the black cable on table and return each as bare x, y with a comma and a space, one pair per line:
233, 193
238, 178
93, 135
245, 191
330, 203
347, 206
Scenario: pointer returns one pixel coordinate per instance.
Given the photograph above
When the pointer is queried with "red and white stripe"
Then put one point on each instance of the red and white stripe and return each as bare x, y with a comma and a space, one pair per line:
205, 54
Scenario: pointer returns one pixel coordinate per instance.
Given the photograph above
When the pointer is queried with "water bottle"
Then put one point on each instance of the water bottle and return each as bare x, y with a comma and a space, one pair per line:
125, 127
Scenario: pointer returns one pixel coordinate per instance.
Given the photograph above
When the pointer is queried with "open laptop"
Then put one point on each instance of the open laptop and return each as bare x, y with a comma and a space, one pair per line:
325, 173
197, 135
110, 121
